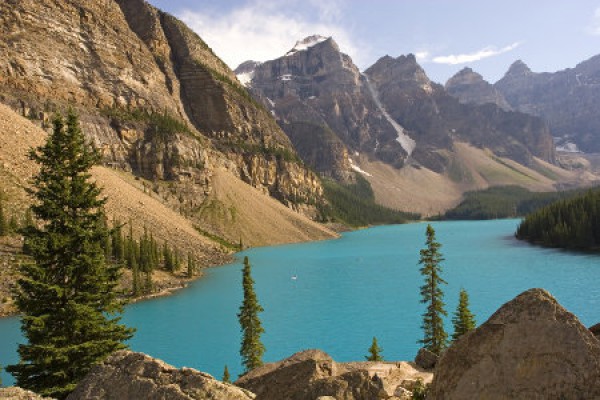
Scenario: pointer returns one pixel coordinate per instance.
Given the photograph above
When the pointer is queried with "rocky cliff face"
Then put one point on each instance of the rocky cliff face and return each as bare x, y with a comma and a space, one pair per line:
317, 85
567, 99
435, 119
151, 94
469, 87
531, 348
136, 376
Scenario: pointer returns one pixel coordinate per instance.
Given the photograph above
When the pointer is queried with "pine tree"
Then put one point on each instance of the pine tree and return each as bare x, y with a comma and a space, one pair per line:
252, 348
226, 377
374, 351
435, 337
67, 294
463, 319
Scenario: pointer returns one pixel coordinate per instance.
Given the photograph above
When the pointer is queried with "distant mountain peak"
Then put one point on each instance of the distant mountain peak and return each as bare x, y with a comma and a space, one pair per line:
464, 76
518, 68
307, 42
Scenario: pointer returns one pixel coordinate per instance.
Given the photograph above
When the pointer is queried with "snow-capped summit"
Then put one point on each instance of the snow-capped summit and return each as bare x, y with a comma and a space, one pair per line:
306, 43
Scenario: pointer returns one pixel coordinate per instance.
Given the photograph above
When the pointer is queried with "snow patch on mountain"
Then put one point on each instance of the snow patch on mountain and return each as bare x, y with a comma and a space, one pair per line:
245, 78
306, 43
407, 143
357, 168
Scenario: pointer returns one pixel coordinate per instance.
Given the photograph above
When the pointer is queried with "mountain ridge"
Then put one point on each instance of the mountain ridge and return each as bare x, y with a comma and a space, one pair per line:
393, 114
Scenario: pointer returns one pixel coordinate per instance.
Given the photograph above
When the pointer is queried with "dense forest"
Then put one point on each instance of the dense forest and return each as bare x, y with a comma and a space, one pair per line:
354, 205
570, 223
504, 202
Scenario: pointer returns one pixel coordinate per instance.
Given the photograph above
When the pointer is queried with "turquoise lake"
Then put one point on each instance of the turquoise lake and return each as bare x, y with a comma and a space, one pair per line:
348, 290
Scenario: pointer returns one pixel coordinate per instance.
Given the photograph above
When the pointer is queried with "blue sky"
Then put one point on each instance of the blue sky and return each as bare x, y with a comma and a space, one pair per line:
445, 35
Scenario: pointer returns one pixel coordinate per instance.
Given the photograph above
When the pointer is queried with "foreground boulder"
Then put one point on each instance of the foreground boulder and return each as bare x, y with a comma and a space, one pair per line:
531, 348
136, 376
310, 374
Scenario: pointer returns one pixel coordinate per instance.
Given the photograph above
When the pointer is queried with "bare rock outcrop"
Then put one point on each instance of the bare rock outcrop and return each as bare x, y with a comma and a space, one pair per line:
16, 393
310, 374
531, 348
133, 376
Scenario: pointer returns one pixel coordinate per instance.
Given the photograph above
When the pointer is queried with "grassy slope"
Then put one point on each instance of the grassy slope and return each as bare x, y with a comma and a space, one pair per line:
416, 189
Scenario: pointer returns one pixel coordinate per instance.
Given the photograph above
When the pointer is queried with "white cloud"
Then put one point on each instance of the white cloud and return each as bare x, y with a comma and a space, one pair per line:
491, 51
422, 56
594, 27
263, 30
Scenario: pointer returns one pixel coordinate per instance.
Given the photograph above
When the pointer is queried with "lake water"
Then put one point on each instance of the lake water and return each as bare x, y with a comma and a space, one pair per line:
348, 290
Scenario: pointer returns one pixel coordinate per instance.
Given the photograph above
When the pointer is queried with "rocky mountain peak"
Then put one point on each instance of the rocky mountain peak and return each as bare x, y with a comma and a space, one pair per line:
404, 68
311, 41
469, 87
464, 76
518, 68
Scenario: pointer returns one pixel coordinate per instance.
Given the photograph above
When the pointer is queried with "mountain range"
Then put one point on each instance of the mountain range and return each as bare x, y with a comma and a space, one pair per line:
419, 144
567, 100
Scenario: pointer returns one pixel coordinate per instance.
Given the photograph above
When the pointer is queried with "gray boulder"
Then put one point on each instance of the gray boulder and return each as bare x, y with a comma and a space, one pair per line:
133, 376
531, 348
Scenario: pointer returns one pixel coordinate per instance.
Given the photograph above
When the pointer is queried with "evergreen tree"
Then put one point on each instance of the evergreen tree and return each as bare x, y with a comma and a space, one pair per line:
67, 294
463, 319
252, 348
374, 351
435, 337
118, 244
226, 377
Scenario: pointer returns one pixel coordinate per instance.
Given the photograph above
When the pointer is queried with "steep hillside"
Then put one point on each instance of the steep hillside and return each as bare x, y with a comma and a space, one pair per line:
567, 99
132, 201
151, 94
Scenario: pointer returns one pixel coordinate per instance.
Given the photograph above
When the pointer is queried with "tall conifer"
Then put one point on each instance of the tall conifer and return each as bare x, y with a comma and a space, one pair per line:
374, 351
226, 376
252, 349
67, 294
434, 336
463, 319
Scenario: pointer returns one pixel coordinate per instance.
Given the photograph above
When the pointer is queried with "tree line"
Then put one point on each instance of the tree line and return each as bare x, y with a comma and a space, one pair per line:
571, 223
503, 202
